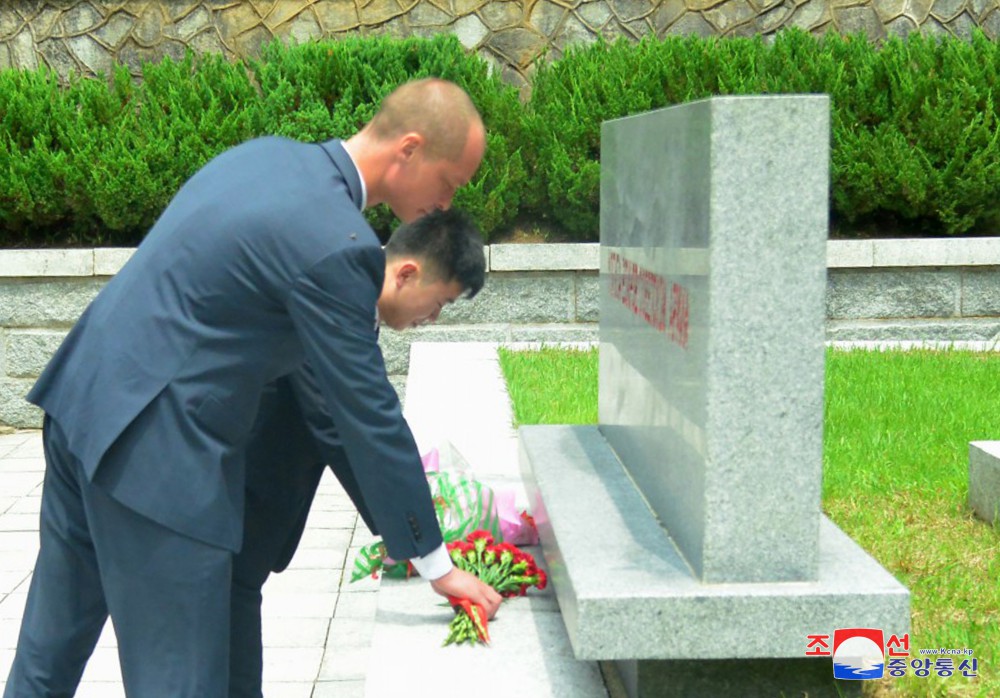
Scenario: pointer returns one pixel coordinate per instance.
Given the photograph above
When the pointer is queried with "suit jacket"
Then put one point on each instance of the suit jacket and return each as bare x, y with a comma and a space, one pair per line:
261, 260
292, 442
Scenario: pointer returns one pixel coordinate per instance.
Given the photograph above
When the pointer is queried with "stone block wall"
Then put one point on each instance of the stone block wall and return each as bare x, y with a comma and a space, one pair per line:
876, 290
947, 289
88, 36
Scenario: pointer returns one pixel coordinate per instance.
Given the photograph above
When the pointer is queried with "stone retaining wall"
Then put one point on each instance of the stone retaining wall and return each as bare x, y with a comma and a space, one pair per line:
89, 36
877, 290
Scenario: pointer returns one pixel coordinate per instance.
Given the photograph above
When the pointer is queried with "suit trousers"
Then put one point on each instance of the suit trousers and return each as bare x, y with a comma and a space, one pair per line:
283, 471
167, 595
271, 532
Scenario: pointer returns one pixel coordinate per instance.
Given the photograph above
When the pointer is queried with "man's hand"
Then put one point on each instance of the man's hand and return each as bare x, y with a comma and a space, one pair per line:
463, 585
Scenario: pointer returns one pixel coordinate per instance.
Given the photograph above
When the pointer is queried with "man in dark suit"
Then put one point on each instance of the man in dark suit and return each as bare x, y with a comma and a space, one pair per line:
260, 263
294, 437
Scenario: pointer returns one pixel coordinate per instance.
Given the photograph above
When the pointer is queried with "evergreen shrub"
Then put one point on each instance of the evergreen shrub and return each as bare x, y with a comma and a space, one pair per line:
104, 158
914, 121
96, 161
914, 126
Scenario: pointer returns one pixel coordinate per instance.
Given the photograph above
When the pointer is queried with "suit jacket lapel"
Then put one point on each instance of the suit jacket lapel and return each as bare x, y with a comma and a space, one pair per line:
349, 172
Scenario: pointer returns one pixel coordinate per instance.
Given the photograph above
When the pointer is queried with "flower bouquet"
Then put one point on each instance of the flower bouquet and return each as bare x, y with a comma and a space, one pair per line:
481, 529
503, 566
463, 505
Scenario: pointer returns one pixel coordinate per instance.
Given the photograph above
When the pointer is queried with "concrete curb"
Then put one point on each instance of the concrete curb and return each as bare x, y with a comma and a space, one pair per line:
506, 257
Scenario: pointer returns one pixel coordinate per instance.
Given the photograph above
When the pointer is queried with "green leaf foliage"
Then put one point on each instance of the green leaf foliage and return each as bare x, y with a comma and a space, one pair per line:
914, 143
914, 121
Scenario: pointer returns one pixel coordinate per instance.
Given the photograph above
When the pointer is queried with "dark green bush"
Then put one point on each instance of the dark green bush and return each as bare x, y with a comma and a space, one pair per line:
33, 163
921, 143
103, 159
95, 162
184, 114
914, 121
914, 126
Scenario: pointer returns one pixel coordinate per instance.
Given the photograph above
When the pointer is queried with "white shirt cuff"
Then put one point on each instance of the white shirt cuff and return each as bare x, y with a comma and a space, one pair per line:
434, 564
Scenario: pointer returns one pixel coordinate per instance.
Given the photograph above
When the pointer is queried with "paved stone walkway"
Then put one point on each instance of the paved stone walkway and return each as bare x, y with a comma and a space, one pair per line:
317, 628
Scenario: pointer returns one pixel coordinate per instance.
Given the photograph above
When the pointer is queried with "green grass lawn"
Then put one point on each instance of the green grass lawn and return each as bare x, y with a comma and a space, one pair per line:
895, 478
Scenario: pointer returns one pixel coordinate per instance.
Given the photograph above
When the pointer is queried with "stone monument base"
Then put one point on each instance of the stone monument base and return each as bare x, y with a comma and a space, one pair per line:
984, 480
746, 678
626, 593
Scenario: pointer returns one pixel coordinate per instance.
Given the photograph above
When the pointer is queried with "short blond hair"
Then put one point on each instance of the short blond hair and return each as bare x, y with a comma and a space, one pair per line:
438, 109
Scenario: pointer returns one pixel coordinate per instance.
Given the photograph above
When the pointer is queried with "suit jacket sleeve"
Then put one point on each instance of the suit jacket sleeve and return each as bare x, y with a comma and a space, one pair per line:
332, 306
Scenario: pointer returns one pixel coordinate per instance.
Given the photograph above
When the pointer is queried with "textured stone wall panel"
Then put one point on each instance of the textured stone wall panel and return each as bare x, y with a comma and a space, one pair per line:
923, 294
958, 330
518, 297
588, 297
27, 352
14, 409
981, 292
550, 334
44, 304
88, 36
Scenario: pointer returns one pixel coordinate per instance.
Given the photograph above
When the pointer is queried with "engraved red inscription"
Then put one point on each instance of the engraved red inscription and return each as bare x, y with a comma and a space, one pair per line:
646, 296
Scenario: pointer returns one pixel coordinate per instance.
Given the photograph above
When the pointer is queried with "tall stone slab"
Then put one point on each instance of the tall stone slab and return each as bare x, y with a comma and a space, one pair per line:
684, 533
713, 253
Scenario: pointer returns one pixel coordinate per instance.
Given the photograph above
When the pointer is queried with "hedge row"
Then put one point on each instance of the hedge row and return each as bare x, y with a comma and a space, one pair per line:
915, 144
95, 162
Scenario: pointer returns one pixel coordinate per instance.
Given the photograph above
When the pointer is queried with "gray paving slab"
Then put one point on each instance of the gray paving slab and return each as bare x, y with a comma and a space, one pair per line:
20, 484
348, 650
6, 659
360, 605
29, 447
10, 521
288, 689
24, 464
339, 689
334, 519
18, 560
292, 581
18, 541
295, 632
292, 664
10, 442
529, 649
332, 539
8, 637
101, 689
298, 609
299, 604
11, 580
32, 504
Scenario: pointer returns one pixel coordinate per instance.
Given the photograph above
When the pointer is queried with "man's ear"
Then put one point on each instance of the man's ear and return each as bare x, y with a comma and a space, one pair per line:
409, 144
407, 271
